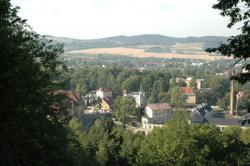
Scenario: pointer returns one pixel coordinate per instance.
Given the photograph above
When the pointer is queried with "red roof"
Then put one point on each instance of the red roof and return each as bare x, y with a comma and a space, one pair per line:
73, 96
187, 90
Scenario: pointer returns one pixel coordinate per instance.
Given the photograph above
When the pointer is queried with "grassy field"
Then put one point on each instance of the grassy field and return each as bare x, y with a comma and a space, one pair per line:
137, 52
188, 46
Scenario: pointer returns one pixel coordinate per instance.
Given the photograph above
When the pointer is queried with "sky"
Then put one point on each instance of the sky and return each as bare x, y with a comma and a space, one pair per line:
89, 19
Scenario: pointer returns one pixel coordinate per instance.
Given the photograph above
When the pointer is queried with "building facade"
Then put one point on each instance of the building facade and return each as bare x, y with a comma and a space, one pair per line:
157, 113
103, 92
140, 98
107, 104
191, 96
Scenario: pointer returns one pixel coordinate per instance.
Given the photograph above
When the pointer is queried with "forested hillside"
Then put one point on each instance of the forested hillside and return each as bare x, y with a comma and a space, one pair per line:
129, 41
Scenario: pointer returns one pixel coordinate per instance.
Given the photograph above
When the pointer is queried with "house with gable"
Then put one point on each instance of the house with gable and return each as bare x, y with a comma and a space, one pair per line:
156, 114
107, 104
103, 92
190, 94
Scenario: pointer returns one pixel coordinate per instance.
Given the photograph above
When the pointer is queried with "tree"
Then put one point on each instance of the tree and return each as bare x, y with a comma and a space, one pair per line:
245, 136
177, 97
224, 103
102, 153
237, 46
158, 92
131, 84
235, 151
31, 132
180, 143
146, 84
130, 146
193, 83
125, 108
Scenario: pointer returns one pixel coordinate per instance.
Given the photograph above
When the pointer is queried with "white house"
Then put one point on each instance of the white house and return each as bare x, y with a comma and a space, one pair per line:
140, 98
200, 83
157, 113
103, 93
90, 97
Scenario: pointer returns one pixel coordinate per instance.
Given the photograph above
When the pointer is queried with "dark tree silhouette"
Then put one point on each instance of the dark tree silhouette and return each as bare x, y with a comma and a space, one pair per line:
31, 133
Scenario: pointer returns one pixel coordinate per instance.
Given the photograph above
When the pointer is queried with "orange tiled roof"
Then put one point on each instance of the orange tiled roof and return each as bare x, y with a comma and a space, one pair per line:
73, 96
187, 90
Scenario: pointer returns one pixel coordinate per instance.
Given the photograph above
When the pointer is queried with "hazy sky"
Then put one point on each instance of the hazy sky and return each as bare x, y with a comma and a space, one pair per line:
101, 18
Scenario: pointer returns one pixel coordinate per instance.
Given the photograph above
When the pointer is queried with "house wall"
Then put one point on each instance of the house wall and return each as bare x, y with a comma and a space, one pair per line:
149, 112
139, 98
157, 116
191, 99
200, 83
105, 107
103, 94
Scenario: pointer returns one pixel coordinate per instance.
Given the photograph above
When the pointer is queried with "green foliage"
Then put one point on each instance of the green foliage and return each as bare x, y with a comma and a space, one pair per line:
176, 96
131, 84
235, 151
245, 136
237, 46
193, 83
130, 147
31, 132
106, 144
154, 83
125, 109
224, 103
179, 143
217, 92
86, 79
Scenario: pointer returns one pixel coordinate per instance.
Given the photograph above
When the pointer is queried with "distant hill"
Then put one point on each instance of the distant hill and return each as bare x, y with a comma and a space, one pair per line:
133, 41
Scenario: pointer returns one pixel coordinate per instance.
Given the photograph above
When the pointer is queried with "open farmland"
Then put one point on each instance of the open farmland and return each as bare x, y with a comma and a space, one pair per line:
137, 52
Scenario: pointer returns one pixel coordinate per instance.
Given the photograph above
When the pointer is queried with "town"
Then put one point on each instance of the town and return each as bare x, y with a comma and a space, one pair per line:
125, 83
134, 109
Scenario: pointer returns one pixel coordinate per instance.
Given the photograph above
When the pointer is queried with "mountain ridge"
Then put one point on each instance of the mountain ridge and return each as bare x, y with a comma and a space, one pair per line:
144, 39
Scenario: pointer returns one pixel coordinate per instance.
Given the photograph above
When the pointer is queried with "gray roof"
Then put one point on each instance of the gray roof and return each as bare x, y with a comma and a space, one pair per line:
160, 106
200, 114
219, 119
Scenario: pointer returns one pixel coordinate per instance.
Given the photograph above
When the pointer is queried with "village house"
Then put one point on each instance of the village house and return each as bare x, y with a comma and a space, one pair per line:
156, 114
107, 104
199, 83
70, 101
103, 92
191, 96
90, 98
140, 98
202, 114
188, 81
